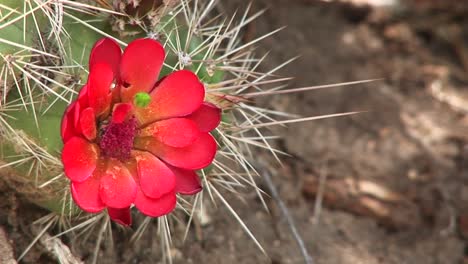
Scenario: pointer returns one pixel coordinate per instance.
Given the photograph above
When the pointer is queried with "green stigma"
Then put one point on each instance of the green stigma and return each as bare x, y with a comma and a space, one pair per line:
142, 99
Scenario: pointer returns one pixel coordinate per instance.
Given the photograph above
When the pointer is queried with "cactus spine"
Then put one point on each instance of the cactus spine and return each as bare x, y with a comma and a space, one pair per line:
44, 46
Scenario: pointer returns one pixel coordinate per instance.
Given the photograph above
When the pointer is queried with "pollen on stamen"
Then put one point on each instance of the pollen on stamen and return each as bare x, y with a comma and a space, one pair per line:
117, 139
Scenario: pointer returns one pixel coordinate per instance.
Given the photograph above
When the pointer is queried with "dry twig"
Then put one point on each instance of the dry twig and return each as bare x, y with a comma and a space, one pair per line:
56, 248
284, 210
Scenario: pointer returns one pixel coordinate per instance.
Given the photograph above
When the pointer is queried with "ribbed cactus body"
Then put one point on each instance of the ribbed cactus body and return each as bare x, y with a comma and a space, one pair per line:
190, 44
39, 144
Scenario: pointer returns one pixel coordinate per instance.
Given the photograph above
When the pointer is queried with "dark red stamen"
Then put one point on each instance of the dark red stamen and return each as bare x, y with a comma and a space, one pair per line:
117, 139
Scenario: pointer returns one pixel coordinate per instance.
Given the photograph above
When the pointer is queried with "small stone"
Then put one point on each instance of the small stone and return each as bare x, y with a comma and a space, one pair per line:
6, 250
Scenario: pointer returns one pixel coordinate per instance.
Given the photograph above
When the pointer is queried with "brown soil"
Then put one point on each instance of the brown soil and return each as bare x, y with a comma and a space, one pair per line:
396, 179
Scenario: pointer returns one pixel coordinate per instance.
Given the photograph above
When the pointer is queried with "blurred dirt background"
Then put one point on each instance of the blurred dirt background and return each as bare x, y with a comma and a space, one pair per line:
392, 183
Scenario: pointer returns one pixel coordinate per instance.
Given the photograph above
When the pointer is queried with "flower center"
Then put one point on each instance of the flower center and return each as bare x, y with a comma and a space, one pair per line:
117, 139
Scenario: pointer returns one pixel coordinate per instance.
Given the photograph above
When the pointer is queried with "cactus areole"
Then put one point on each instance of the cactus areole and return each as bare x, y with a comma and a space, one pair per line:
131, 140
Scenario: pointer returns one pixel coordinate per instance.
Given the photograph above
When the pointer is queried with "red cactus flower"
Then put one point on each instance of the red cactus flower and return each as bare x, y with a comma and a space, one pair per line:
130, 139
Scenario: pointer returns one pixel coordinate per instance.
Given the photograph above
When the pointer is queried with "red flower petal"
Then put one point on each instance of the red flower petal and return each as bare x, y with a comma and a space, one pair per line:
79, 159
99, 84
106, 51
118, 188
175, 132
86, 194
121, 112
156, 179
121, 216
70, 125
76, 118
187, 181
179, 94
83, 97
141, 63
67, 129
207, 117
155, 207
88, 123
196, 156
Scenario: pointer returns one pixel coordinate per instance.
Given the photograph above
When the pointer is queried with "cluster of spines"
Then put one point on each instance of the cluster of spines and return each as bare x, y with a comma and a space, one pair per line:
47, 67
